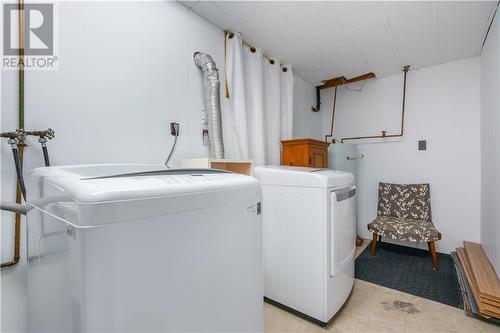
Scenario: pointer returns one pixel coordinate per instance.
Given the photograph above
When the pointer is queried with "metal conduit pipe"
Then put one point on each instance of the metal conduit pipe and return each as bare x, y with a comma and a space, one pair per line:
211, 85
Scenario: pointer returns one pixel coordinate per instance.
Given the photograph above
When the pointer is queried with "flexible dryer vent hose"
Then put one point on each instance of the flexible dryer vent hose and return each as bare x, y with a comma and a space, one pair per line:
211, 87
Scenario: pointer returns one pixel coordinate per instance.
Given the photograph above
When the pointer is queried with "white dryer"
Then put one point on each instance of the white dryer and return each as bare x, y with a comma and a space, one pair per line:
138, 248
309, 238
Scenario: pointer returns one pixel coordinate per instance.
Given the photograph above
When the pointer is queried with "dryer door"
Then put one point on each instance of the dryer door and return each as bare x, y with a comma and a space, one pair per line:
343, 228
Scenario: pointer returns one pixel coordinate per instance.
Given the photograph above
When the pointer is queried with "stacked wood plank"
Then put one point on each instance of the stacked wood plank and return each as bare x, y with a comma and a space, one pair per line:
480, 279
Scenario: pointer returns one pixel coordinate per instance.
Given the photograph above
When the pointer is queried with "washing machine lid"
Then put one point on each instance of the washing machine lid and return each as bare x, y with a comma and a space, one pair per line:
115, 182
91, 195
283, 175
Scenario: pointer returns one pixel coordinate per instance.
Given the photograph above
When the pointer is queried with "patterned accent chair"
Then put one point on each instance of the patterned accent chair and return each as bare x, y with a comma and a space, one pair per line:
404, 213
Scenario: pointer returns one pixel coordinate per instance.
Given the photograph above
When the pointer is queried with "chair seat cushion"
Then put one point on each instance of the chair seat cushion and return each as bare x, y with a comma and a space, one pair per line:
404, 229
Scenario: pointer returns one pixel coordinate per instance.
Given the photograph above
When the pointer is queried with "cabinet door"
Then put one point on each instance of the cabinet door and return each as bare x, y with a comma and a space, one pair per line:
296, 155
318, 158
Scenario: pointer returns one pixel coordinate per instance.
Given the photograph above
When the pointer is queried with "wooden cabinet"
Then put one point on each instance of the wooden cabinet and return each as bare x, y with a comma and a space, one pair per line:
305, 152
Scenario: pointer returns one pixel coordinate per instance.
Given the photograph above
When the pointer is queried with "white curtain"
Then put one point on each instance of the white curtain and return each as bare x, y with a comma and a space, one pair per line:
259, 110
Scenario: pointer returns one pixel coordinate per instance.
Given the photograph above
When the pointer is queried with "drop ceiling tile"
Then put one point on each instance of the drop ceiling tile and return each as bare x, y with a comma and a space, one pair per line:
188, 4
212, 13
415, 29
462, 40
326, 43
264, 21
366, 25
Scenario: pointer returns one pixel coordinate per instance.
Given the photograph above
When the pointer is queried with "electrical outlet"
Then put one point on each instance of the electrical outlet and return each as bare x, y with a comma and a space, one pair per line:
422, 145
174, 129
204, 123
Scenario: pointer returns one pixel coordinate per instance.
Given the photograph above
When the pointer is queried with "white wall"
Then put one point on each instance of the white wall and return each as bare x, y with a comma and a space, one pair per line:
126, 72
490, 146
443, 108
306, 124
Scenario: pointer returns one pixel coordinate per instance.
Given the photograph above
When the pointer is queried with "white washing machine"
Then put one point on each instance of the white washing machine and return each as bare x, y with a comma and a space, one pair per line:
309, 238
138, 248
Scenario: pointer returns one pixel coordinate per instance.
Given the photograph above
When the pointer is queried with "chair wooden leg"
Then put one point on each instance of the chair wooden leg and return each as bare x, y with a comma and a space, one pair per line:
374, 244
432, 250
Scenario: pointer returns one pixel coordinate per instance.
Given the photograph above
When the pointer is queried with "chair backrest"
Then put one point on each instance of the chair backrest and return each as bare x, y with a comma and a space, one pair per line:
410, 201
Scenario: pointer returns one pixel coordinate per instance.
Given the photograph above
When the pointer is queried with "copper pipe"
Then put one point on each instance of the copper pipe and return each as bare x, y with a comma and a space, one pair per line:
21, 64
9, 135
332, 124
18, 135
21, 144
48, 133
384, 133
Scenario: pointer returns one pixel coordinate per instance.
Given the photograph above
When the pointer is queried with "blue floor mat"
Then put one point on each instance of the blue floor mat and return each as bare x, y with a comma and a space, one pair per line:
410, 270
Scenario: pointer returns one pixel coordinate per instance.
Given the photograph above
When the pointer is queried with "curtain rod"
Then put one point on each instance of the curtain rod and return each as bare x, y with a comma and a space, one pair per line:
230, 35
253, 49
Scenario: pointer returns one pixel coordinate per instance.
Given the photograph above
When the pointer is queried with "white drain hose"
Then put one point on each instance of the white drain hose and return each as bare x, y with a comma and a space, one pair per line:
211, 87
13, 207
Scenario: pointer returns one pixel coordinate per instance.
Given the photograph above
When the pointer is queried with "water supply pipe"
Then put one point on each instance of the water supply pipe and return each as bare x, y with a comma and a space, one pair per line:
332, 123
15, 152
21, 144
384, 134
211, 86
43, 143
43, 137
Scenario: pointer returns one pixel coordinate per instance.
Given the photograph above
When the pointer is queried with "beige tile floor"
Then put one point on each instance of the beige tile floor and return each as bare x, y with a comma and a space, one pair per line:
372, 308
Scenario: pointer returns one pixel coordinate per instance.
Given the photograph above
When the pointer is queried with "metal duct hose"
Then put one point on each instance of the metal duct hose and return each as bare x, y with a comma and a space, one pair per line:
211, 87
13, 207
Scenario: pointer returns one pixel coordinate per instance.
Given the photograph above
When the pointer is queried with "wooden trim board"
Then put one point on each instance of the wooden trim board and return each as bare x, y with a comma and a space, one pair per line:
462, 256
486, 309
484, 274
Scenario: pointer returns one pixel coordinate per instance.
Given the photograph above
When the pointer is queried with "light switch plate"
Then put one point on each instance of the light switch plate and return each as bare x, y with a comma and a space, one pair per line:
422, 144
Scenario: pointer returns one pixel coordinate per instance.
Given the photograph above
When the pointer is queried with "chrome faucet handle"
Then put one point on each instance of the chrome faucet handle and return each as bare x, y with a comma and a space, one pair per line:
50, 134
